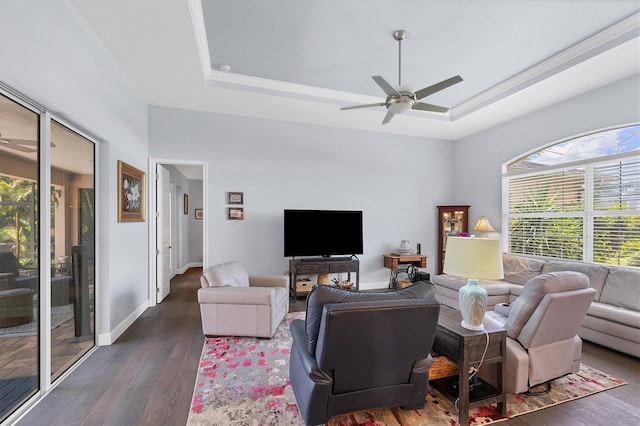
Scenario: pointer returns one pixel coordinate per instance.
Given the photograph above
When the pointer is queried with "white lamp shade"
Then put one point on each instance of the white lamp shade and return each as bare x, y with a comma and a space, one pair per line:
479, 258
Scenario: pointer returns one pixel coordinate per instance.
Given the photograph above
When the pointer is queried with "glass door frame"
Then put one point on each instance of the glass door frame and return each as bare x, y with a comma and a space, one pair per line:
44, 246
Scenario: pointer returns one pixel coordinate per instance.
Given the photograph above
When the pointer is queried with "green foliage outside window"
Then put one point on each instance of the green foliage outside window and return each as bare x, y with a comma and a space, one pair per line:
18, 202
578, 199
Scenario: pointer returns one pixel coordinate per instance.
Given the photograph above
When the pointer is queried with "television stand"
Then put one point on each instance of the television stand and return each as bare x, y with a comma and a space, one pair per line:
322, 265
325, 259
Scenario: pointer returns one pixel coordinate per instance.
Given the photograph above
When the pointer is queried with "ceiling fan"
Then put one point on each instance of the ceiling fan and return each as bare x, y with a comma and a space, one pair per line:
403, 99
22, 145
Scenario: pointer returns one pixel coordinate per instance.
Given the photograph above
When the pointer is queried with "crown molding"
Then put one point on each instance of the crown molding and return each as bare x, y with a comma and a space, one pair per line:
615, 35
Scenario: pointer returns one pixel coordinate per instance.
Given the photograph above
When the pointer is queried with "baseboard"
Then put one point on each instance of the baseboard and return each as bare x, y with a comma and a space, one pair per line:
105, 339
187, 266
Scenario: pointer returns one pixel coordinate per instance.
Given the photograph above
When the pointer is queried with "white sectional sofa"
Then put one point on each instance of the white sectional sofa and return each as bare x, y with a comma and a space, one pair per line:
613, 319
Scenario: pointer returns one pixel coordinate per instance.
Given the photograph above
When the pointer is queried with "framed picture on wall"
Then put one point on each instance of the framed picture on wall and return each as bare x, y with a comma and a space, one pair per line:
186, 204
199, 214
235, 197
235, 213
131, 193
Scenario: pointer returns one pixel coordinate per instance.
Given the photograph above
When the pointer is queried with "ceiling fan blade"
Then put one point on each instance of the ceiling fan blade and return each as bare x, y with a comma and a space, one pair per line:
363, 106
388, 117
429, 107
386, 87
423, 93
28, 142
9, 144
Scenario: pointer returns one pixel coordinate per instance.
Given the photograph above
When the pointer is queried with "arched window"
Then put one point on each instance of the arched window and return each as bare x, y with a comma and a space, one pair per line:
577, 199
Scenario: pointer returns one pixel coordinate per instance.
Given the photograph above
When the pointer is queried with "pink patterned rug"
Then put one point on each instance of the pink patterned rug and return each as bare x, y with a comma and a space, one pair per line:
245, 381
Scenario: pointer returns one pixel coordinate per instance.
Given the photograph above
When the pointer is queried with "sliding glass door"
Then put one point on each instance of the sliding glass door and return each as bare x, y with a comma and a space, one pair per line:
72, 252
56, 278
19, 278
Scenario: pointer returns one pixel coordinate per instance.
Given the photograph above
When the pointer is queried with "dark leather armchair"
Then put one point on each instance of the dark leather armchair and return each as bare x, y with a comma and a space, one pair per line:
358, 351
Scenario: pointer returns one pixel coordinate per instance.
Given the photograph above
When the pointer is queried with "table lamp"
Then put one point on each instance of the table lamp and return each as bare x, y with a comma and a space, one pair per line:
483, 225
475, 259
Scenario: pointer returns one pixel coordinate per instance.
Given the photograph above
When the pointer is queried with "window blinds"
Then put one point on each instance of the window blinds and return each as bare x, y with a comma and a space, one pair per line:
585, 212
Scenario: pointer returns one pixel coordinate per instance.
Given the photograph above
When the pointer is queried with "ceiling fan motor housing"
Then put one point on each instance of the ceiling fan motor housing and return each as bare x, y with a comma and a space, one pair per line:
400, 104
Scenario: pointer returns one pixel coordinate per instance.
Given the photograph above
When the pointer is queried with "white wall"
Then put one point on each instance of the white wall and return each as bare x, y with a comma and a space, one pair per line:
397, 181
49, 53
479, 158
195, 226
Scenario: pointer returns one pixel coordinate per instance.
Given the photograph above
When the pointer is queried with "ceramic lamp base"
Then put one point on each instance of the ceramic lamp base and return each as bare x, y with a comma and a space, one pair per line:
473, 305
472, 327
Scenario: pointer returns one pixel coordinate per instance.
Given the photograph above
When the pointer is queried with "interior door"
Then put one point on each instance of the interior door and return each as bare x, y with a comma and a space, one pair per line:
174, 239
163, 233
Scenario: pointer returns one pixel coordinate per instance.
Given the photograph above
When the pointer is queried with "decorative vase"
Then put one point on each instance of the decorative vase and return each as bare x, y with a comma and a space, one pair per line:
405, 247
473, 304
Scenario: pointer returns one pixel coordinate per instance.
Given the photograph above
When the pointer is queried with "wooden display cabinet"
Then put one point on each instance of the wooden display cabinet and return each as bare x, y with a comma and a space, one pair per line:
452, 221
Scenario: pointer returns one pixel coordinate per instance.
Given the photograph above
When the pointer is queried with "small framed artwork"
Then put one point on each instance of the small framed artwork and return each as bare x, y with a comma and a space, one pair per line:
131, 193
235, 213
186, 204
235, 197
199, 214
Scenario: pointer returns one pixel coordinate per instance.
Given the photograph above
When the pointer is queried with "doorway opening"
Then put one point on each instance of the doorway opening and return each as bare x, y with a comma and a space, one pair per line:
177, 237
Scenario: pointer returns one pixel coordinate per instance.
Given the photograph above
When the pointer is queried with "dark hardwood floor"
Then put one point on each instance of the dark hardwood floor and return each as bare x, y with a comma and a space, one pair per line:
147, 376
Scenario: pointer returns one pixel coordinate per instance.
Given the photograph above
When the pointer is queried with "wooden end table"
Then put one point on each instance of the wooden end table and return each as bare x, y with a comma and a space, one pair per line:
393, 261
466, 348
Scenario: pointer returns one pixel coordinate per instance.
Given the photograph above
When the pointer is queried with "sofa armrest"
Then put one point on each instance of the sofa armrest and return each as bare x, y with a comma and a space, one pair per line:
236, 295
269, 281
502, 308
7, 281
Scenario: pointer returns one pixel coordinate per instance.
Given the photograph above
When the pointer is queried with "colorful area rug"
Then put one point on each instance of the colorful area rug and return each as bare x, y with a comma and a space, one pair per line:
245, 381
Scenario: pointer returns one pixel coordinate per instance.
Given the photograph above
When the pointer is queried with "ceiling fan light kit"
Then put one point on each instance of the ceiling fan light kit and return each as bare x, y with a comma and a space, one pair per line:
404, 98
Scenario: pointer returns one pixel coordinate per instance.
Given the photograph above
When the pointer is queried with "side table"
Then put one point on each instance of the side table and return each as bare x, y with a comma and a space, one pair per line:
466, 347
394, 261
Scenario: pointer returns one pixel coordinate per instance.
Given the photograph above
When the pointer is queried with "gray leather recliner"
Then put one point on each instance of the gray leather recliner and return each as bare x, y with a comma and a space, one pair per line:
358, 351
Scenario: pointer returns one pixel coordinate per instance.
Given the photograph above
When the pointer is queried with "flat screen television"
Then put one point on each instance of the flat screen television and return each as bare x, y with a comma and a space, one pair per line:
322, 232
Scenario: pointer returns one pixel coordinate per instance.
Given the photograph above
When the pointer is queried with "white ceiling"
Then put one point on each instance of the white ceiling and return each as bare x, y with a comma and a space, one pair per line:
300, 61
191, 171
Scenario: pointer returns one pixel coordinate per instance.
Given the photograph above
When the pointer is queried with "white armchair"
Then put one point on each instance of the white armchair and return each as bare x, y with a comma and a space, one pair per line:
232, 303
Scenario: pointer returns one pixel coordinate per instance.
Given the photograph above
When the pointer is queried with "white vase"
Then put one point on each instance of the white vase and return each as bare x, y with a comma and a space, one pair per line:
473, 304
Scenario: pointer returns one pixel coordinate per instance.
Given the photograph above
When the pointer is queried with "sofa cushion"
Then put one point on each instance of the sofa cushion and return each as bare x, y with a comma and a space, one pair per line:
534, 291
519, 270
622, 288
615, 314
239, 296
597, 274
492, 287
324, 294
8, 262
228, 274
7, 281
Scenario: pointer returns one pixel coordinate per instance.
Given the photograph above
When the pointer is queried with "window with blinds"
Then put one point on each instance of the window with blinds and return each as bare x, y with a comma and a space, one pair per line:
588, 209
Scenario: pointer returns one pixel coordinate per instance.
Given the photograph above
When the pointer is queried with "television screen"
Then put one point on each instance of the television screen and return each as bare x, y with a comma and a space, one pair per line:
322, 232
